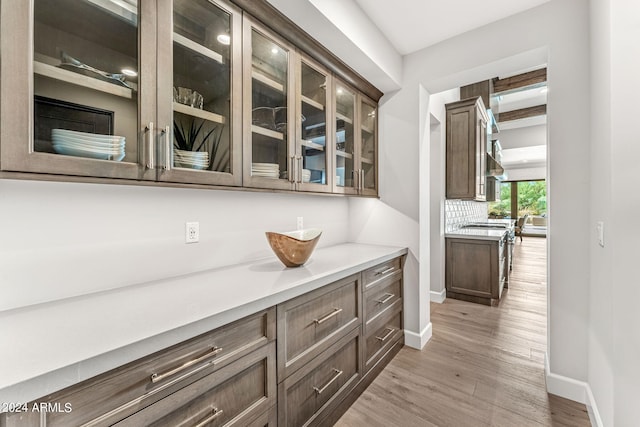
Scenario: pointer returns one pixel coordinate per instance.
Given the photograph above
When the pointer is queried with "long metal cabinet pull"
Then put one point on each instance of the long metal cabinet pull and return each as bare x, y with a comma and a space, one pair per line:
300, 169
216, 413
331, 381
361, 179
159, 377
323, 319
386, 299
167, 148
291, 173
385, 271
388, 334
150, 146
356, 178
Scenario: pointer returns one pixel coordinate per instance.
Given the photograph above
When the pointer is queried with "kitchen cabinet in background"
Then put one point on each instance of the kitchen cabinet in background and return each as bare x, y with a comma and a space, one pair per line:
476, 270
466, 150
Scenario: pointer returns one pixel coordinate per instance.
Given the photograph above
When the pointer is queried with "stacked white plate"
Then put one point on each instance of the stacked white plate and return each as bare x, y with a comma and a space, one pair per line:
266, 170
92, 145
306, 175
190, 159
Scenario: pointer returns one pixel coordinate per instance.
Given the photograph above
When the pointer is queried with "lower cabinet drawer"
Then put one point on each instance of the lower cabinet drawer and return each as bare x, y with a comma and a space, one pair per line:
233, 396
379, 298
309, 324
307, 395
381, 334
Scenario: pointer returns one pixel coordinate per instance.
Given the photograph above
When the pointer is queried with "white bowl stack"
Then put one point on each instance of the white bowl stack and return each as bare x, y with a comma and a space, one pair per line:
190, 159
265, 170
91, 145
306, 175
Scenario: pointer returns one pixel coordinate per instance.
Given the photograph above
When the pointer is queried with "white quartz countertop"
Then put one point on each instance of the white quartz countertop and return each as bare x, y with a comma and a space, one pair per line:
477, 233
49, 346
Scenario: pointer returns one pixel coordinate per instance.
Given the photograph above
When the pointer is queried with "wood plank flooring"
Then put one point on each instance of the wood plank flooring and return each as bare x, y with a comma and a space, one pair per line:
484, 366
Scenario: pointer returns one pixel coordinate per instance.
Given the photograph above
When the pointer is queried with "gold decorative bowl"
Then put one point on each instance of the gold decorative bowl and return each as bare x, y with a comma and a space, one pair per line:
294, 248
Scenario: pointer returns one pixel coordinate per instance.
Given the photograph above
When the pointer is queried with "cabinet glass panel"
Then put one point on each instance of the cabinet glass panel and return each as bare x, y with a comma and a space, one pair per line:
368, 147
269, 148
345, 108
314, 125
85, 78
201, 86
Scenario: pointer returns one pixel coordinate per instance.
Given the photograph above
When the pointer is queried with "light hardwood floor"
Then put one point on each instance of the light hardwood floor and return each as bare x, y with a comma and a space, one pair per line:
484, 366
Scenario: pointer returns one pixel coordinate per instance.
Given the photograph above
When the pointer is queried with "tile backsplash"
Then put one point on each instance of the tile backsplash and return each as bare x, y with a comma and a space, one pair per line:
461, 212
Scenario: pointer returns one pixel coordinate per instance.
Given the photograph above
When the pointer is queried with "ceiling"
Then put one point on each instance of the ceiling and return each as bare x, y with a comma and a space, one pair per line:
411, 25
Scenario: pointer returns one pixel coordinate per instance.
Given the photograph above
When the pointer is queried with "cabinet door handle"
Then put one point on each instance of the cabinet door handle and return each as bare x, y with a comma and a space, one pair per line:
150, 145
211, 353
215, 414
386, 299
291, 173
356, 178
361, 179
323, 319
300, 169
319, 390
387, 335
385, 271
167, 147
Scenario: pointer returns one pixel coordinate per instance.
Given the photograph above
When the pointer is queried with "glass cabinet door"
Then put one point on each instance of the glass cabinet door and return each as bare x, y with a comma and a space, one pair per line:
269, 156
200, 135
346, 176
313, 166
88, 103
368, 147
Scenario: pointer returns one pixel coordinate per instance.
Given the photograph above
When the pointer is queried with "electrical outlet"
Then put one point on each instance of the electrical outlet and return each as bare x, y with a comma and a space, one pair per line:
300, 223
192, 232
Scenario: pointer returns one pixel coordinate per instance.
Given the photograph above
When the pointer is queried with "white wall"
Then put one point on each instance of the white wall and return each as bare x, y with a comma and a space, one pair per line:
523, 137
555, 33
65, 239
601, 288
625, 204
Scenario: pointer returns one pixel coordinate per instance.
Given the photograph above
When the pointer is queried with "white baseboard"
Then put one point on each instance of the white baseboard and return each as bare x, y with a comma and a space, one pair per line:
578, 391
438, 297
592, 409
418, 341
564, 386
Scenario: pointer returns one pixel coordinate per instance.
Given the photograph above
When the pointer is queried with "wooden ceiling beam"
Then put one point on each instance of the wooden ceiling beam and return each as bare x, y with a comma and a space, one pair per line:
520, 81
522, 113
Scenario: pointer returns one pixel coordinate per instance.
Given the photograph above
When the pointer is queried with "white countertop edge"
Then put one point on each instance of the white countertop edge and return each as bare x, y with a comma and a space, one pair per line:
39, 361
477, 234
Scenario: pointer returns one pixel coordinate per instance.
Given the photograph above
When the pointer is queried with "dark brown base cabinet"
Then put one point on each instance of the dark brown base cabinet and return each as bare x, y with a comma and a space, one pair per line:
476, 270
331, 343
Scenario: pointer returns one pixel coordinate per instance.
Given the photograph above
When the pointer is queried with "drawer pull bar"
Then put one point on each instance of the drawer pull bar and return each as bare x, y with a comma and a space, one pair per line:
216, 413
331, 381
335, 312
159, 377
385, 271
387, 335
386, 299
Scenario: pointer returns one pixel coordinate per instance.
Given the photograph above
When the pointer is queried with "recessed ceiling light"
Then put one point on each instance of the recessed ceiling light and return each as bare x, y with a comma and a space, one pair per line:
339, 91
129, 72
224, 39
274, 50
